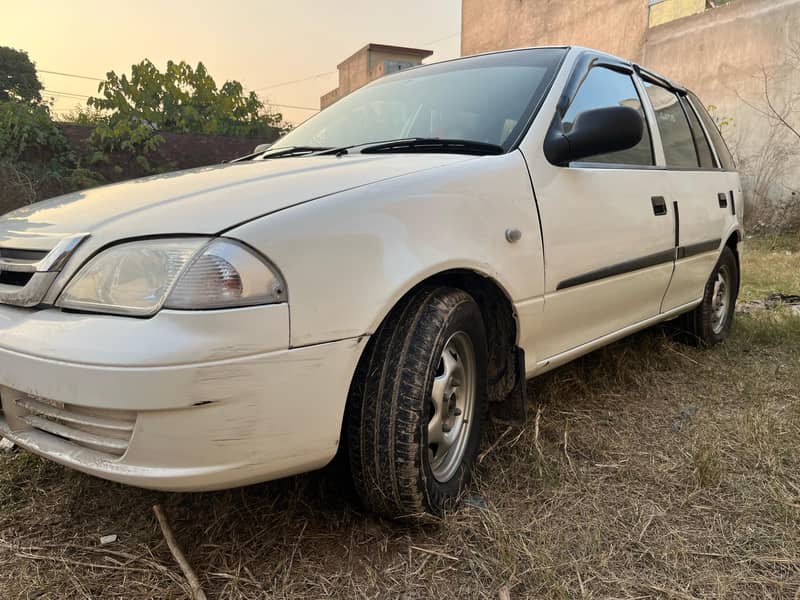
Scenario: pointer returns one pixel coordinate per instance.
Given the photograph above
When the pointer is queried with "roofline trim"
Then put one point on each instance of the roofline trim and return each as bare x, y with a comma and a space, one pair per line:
640, 70
659, 79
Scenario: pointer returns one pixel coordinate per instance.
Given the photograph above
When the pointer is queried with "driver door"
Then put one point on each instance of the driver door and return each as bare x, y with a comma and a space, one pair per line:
607, 229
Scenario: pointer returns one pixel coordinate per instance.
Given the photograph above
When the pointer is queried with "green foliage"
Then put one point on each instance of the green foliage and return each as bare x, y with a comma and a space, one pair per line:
27, 133
36, 160
81, 115
184, 100
18, 79
132, 110
111, 136
722, 121
81, 178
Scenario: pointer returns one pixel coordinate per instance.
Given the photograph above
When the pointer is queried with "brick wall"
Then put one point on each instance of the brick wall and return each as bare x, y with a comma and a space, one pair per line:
179, 150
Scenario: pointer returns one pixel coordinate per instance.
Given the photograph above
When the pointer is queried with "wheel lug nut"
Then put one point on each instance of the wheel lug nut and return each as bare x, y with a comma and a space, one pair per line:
446, 428
457, 412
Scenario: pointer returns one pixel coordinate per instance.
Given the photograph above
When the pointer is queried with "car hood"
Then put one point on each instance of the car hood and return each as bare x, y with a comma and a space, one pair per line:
208, 200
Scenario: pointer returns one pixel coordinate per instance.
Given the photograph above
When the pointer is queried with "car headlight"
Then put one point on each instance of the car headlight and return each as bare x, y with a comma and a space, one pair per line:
139, 278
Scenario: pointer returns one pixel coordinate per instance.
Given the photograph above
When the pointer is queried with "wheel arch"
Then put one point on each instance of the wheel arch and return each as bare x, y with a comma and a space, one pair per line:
499, 317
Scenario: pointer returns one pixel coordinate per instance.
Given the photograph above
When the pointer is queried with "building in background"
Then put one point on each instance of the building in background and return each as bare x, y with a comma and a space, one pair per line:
369, 63
740, 56
664, 11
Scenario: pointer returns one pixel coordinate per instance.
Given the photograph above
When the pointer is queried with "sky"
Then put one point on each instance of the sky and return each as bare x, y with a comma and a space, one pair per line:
261, 43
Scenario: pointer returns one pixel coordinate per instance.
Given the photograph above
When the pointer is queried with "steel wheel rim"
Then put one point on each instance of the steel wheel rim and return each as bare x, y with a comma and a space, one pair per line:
452, 403
720, 300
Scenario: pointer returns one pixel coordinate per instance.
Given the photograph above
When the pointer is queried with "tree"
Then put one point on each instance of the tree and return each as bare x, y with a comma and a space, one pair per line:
185, 100
782, 114
36, 160
18, 79
769, 173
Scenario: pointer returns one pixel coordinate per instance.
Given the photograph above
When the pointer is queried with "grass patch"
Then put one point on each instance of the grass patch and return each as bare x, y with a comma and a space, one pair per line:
770, 264
647, 469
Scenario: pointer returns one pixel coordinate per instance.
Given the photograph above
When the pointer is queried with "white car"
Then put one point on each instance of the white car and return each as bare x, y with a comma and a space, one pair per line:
373, 282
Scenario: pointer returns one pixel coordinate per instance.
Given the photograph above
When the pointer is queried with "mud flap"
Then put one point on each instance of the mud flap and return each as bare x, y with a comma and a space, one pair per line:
514, 409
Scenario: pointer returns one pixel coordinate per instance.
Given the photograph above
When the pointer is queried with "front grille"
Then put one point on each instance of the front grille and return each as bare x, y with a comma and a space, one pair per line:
27, 274
22, 256
103, 430
18, 266
15, 278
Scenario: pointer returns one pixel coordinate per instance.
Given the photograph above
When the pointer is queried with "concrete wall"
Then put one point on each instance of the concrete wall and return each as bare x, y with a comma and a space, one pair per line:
354, 72
329, 98
178, 151
616, 26
722, 54
367, 64
377, 57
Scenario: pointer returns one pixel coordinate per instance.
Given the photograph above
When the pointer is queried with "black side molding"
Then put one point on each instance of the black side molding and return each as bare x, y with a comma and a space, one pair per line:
651, 260
698, 248
733, 203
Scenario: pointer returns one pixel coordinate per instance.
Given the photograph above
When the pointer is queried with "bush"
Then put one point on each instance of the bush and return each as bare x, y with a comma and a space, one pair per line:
36, 160
184, 99
28, 134
123, 136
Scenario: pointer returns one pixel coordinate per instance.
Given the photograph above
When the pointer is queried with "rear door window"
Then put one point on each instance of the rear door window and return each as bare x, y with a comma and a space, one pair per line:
724, 155
676, 135
700, 142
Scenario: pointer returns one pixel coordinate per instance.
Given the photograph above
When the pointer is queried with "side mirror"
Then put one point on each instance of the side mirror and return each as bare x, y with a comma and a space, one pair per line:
596, 131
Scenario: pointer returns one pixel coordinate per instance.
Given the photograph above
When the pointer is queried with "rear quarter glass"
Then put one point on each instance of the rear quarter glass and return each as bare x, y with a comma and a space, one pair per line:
725, 158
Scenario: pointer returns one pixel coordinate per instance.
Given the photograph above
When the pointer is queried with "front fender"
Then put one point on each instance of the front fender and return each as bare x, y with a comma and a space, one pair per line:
348, 258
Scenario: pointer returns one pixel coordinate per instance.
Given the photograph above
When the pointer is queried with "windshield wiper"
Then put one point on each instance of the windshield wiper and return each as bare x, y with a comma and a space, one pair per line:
433, 145
293, 151
416, 145
284, 152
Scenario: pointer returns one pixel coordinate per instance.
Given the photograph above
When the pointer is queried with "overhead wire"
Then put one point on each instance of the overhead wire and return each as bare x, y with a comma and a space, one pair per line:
259, 89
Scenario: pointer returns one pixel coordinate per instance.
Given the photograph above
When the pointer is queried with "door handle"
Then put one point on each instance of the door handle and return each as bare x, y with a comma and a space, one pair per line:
723, 199
659, 205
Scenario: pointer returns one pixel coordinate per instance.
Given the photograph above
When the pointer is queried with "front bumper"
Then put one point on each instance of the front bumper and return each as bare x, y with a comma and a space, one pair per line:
185, 401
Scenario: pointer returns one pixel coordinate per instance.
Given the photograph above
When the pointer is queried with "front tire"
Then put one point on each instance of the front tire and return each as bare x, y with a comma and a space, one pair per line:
417, 405
710, 323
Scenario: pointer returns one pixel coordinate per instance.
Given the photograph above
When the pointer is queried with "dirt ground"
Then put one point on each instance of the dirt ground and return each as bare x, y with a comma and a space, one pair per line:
648, 469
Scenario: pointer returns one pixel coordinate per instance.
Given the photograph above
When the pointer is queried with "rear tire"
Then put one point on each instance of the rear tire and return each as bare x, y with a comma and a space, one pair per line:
417, 405
710, 323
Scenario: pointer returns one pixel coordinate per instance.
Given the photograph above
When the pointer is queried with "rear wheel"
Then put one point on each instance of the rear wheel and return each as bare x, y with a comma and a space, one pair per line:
418, 403
710, 323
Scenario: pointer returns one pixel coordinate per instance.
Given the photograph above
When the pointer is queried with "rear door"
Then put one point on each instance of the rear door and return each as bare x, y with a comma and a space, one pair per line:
698, 190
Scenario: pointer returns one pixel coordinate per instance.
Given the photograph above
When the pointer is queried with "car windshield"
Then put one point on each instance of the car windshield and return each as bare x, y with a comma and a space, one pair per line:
487, 99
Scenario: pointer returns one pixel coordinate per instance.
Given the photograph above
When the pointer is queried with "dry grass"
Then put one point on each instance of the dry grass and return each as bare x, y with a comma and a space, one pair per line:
647, 470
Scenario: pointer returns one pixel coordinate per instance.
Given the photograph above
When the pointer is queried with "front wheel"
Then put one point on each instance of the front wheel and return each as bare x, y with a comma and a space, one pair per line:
418, 403
710, 323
